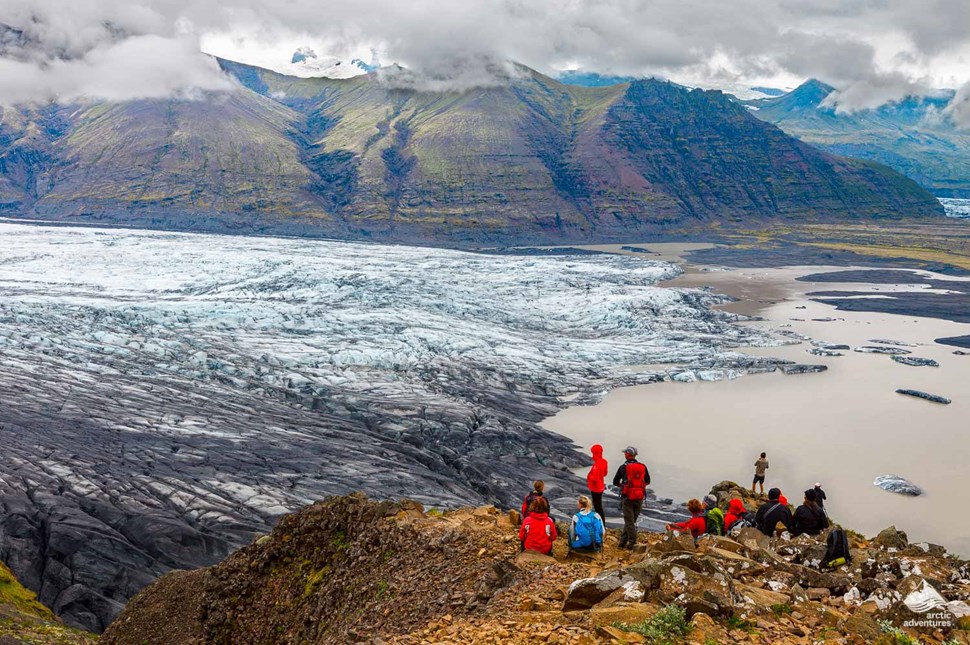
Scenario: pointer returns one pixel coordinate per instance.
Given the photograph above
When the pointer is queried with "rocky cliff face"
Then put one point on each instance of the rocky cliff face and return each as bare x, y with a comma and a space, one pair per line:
530, 161
353, 570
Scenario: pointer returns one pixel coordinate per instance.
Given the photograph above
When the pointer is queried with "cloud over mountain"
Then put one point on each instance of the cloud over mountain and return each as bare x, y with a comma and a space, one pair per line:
870, 51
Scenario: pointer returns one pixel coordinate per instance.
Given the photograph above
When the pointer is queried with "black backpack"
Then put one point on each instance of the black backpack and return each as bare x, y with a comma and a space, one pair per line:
837, 545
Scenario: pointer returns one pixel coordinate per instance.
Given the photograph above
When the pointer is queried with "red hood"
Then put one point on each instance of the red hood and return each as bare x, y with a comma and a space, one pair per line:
597, 451
736, 506
783, 500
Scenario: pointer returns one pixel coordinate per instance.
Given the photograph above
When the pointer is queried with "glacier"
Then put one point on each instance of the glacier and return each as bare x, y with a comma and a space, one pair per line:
166, 396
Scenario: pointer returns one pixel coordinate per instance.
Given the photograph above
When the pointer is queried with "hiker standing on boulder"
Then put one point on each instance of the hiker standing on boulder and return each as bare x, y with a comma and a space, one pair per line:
633, 478
760, 466
596, 479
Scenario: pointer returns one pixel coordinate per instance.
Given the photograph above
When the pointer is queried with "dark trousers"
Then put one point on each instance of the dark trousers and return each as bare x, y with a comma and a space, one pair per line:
631, 511
598, 505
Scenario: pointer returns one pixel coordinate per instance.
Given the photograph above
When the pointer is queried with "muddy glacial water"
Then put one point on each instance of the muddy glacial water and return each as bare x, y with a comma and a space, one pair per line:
842, 427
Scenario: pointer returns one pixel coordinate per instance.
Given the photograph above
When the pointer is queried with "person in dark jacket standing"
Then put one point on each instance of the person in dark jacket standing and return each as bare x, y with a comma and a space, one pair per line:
809, 517
596, 479
770, 514
633, 478
819, 496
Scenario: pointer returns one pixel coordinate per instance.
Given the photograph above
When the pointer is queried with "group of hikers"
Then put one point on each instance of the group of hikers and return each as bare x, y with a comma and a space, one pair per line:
588, 526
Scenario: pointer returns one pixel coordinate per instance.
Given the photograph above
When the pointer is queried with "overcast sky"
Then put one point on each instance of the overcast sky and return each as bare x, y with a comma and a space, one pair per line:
873, 51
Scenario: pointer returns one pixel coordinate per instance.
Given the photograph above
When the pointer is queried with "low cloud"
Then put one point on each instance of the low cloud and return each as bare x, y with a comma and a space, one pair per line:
870, 93
116, 49
959, 108
137, 67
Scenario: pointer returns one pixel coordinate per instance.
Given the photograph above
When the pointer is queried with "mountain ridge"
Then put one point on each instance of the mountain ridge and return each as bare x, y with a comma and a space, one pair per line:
912, 135
530, 160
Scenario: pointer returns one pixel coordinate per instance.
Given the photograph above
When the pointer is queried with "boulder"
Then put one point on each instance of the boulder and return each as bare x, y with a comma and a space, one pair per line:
860, 624
891, 538
674, 544
709, 593
763, 598
922, 608
798, 595
587, 592
622, 613
753, 539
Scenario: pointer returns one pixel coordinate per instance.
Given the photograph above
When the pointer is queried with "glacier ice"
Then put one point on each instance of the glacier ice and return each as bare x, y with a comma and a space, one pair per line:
167, 395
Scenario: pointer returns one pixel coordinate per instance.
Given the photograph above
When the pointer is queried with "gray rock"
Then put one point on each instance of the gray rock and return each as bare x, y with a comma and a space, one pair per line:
896, 484
587, 592
916, 362
934, 398
819, 351
803, 369
868, 349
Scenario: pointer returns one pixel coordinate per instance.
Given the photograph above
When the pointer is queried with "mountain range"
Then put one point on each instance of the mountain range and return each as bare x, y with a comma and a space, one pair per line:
529, 160
911, 136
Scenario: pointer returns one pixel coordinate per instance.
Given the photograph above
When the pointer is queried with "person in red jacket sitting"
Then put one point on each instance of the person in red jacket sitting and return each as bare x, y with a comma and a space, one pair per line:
735, 512
697, 525
596, 479
537, 487
538, 531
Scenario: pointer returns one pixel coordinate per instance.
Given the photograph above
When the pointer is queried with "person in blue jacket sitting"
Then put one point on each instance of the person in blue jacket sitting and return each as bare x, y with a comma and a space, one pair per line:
586, 532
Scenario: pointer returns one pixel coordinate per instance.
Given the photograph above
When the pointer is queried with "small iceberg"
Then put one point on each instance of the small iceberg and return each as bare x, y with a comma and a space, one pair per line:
896, 484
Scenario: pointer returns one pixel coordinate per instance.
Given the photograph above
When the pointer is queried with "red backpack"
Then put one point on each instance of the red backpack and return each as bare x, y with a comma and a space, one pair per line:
635, 487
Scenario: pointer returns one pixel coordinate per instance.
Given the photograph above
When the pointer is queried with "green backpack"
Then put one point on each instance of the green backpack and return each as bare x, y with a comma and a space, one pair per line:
715, 521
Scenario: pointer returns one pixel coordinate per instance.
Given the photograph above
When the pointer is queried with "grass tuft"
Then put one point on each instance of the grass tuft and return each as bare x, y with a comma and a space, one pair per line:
667, 627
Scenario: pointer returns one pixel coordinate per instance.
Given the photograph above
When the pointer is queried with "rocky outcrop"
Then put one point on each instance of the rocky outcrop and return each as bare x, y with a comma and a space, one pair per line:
353, 570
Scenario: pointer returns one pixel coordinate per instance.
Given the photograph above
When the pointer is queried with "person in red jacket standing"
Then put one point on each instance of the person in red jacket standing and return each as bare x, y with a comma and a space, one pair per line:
697, 525
596, 479
538, 531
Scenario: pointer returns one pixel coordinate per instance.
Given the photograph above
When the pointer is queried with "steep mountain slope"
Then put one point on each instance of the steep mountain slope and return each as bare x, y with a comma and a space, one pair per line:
24, 620
530, 160
910, 136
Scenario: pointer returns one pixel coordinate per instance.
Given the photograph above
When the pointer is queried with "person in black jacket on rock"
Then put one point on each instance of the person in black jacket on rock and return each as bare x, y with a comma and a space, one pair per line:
770, 514
809, 517
819, 495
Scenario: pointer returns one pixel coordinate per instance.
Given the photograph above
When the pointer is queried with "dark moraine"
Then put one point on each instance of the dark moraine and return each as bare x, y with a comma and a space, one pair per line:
955, 341
786, 255
954, 306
